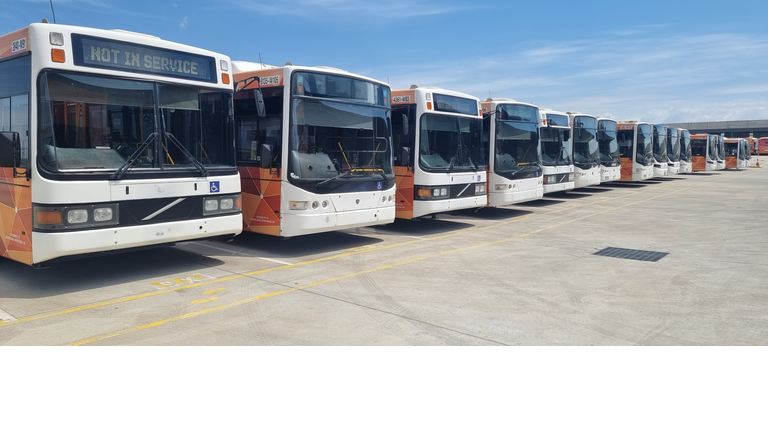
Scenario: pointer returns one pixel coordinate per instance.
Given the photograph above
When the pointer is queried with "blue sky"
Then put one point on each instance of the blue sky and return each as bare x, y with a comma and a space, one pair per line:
659, 61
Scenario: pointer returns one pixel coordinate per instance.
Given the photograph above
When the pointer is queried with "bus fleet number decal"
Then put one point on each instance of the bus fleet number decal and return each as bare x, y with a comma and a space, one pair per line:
19, 45
401, 99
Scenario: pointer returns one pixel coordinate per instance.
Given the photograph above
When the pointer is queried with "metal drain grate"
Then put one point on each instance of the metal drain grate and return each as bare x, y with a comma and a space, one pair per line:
632, 254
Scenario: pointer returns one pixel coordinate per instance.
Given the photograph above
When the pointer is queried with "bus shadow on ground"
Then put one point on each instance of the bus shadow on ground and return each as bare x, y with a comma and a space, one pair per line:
421, 227
667, 179
634, 185
494, 213
599, 189
543, 202
296, 247
570, 195
83, 274
702, 174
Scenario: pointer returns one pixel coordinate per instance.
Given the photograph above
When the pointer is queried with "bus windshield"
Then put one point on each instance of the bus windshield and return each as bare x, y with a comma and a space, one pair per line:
609, 146
673, 145
720, 149
644, 154
660, 144
556, 148
517, 142
712, 147
732, 148
585, 148
104, 124
685, 147
450, 143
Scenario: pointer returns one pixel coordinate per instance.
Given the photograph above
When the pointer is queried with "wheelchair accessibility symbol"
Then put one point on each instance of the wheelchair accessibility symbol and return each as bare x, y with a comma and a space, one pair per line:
214, 187
378, 185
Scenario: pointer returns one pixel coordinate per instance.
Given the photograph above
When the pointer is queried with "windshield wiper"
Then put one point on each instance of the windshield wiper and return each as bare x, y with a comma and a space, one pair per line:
352, 171
133, 158
195, 162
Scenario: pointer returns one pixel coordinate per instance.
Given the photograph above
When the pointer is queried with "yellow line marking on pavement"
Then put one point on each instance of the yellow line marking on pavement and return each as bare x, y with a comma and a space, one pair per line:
351, 275
315, 261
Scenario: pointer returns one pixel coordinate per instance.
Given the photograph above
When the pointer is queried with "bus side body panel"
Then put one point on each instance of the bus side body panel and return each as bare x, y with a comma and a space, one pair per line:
15, 217
261, 200
699, 163
732, 162
404, 196
627, 166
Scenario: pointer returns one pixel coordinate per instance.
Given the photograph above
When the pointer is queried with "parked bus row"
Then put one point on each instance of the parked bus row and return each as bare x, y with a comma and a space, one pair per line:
111, 140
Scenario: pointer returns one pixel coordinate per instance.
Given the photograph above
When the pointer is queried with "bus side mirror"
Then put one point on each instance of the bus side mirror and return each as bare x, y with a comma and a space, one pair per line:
567, 135
405, 125
266, 156
261, 110
405, 156
10, 149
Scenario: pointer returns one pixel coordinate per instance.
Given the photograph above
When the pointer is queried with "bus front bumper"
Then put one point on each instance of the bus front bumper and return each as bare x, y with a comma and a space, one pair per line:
48, 246
297, 224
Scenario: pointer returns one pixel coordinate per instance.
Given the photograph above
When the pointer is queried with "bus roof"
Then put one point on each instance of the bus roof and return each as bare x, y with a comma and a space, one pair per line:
273, 76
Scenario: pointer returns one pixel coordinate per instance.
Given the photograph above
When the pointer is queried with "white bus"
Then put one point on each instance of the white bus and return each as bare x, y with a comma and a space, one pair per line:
314, 149
586, 154
720, 152
557, 149
660, 159
735, 148
636, 148
439, 152
610, 156
673, 151
511, 134
112, 140
686, 155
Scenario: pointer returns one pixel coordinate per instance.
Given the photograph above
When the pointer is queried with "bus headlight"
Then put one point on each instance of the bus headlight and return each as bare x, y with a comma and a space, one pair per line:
480, 189
432, 192
103, 214
77, 216
215, 205
570, 177
227, 204
211, 205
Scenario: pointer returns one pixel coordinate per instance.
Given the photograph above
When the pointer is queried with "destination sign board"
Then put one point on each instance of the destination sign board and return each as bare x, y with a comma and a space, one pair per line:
102, 53
456, 104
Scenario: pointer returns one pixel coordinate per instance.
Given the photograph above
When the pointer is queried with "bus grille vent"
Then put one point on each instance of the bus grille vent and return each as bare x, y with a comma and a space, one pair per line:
631, 254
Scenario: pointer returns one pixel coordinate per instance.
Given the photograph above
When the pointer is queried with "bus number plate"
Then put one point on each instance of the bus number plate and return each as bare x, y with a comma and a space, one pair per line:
19, 45
401, 99
270, 80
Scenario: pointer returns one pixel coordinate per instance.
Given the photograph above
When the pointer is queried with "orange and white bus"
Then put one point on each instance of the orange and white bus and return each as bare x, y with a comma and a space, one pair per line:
440, 163
686, 155
752, 144
610, 156
703, 152
513, 149
673, 151
734, 153
557, 149
720, 152
636, 150
112, 140
314, 149
660, 159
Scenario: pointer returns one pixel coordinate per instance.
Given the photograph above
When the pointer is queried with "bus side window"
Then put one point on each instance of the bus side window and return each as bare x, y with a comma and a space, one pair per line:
253, 131
399, 138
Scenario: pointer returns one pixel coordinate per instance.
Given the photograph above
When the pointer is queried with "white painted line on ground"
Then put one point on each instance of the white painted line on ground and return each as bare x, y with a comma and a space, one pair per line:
243, 253
416, 237
275, 261
232, 251
5, 316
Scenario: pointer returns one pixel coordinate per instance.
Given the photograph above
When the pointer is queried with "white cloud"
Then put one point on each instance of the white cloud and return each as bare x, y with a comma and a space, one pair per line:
657, 79
184, 23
